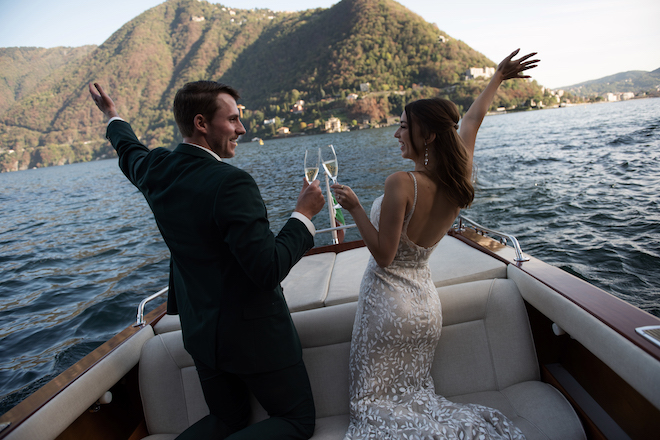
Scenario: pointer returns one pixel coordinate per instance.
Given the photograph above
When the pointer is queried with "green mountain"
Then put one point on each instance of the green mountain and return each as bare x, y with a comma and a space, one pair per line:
272, 58
634, 81
356, 41
23, 68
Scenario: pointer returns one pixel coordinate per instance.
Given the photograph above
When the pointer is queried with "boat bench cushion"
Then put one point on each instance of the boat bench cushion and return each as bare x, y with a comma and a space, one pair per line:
306, 286
452, 262
329, 279
171, 393
168, 323
485, 355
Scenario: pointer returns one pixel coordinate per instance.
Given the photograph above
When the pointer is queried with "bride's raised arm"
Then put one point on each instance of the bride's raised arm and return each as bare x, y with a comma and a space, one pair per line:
507, 69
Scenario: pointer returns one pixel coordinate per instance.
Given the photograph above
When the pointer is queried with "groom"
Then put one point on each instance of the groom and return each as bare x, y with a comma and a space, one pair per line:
226, 265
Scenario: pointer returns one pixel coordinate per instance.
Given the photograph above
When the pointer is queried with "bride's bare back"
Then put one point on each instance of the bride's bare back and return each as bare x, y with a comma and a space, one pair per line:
434, 212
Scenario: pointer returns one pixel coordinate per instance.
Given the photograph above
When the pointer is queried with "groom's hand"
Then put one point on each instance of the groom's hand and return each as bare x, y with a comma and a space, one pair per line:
310, 200
103, 101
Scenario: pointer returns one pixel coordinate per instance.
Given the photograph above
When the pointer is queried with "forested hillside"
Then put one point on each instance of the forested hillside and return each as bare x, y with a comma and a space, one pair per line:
354, 42
23, 68
320, 56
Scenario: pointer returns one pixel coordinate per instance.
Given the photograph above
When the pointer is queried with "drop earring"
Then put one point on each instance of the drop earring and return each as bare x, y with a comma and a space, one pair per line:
426, 155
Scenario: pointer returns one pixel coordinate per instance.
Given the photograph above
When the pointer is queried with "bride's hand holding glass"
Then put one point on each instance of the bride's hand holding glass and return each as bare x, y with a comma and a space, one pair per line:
346, 197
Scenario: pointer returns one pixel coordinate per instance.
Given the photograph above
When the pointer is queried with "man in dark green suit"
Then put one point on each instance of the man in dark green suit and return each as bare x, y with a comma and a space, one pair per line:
226, 265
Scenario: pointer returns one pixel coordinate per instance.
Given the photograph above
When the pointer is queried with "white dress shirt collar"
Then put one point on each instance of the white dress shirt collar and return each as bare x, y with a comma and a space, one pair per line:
208, 150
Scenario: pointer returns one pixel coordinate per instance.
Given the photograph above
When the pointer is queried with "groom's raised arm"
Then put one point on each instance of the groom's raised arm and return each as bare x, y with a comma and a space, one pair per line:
130, 150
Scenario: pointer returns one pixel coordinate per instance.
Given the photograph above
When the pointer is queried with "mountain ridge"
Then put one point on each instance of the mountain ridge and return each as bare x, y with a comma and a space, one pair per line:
635, 81
271, 57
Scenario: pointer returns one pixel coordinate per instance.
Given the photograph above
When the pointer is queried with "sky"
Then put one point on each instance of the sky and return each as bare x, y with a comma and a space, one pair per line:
576, 40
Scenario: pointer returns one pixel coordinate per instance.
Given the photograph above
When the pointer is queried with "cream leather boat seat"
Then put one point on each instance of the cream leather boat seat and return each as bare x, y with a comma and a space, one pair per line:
329, 279
486, 355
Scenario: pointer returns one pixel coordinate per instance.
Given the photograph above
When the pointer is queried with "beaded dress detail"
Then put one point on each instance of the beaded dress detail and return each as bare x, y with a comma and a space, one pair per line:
397, 327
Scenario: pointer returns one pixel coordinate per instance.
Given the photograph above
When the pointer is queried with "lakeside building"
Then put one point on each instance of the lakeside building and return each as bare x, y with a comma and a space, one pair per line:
613, 97
298, 107
479, 72
333, 125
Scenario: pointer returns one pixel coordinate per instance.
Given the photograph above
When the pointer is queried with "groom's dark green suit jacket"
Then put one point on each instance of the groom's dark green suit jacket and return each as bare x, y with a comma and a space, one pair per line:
226, 265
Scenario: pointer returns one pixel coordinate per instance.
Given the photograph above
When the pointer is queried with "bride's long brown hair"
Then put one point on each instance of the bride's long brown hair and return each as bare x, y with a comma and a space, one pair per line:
446, 153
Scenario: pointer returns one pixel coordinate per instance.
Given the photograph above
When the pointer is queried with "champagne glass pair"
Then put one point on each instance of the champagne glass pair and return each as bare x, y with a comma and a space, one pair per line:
325, 156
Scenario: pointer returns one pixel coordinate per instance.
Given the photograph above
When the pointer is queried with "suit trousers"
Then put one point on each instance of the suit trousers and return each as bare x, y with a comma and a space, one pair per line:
285, 394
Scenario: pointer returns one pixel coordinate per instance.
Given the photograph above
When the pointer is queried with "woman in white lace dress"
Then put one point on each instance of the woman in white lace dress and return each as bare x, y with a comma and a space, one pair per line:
399, 318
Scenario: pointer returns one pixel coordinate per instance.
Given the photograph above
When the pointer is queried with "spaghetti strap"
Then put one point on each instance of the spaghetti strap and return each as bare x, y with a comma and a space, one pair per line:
412, 210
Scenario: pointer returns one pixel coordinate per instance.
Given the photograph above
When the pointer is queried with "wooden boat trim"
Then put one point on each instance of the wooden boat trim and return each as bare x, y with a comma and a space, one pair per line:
619, 315
336, 248
45, 394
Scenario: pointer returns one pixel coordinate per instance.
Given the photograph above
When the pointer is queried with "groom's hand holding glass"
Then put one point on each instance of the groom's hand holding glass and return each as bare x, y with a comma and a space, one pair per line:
310, 200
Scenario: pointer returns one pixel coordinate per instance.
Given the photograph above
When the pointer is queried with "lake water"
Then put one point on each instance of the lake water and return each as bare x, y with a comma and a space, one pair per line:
579, 187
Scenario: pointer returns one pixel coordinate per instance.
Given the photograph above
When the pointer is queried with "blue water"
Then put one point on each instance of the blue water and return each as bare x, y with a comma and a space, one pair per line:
79, 249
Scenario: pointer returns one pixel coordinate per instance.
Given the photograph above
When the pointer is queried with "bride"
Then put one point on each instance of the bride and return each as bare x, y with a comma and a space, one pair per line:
399, 318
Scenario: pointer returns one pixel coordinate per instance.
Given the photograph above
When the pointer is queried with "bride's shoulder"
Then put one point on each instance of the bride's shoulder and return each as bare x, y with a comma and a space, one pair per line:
399, 184
398, 178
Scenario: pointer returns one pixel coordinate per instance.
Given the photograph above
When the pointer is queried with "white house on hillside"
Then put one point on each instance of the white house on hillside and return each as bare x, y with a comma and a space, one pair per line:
479, 72
333, 125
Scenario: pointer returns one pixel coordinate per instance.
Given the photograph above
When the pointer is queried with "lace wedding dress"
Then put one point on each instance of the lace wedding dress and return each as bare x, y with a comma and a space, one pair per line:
396, 330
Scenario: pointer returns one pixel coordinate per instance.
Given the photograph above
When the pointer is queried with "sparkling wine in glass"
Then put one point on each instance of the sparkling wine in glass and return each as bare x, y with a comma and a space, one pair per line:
329, 161
330, 164
311, 164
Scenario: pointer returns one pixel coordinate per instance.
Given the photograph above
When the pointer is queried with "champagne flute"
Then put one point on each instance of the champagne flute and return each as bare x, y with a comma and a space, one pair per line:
329, 161
312, 156
330, 164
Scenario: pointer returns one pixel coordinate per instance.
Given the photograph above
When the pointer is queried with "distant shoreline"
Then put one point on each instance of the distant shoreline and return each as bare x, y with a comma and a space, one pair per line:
495, 113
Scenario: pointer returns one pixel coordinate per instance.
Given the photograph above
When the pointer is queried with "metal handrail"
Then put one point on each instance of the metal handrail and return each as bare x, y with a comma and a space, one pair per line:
140, 311
503, 237
336, 228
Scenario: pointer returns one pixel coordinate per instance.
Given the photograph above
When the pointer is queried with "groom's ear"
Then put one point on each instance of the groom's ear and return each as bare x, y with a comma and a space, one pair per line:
200, 123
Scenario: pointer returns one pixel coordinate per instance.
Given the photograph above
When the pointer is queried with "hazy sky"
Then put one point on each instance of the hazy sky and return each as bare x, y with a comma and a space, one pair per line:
577, 40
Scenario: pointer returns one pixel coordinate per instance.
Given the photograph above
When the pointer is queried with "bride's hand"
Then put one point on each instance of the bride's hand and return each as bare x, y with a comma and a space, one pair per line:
346, 197
510, 68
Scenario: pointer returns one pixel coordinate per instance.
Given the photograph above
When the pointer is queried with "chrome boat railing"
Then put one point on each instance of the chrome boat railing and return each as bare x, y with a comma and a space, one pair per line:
462, 220
140, 311
336, 228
